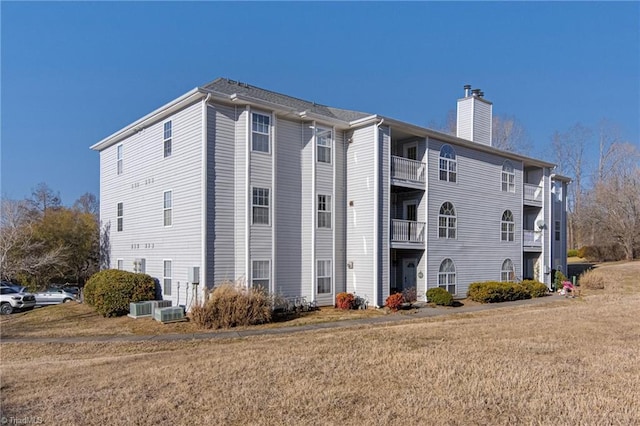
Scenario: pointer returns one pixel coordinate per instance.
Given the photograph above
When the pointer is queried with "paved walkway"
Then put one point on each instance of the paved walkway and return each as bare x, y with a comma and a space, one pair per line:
423, 311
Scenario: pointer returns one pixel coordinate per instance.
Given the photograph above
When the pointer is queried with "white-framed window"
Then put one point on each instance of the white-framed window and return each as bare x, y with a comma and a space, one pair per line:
324, 142
168, 208
261, 274
119, 217
166, 277
324, 211
447, 223
323, 274
447, 276
120, 264
260, 132
140, 266
556, 230
508, 177
507, 272
448, 164
507, 226
260, 202
119, 158
167, 137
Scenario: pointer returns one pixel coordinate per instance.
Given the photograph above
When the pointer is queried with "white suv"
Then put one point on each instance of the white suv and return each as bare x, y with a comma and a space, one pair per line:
12, 300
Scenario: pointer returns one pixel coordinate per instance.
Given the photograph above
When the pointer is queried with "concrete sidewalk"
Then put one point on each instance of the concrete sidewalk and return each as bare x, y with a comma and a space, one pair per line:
422, 311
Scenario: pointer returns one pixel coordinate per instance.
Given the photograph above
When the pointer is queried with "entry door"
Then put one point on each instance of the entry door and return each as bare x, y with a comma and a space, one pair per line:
411, 210
408, 273
411, 151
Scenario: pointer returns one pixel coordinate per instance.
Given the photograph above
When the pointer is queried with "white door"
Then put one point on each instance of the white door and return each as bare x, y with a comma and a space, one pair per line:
408, 273
410, 151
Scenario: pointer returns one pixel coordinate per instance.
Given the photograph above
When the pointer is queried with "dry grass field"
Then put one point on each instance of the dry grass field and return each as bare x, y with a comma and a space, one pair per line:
567, 363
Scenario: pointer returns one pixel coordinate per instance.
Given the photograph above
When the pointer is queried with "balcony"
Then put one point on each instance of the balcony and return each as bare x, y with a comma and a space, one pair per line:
407, 234
533, 194
406, 172
532, 240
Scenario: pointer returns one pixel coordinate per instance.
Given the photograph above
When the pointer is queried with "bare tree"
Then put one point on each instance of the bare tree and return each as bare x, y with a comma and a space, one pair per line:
13, 225
509, 134
447, 126
88, 203
43, 198
105, 246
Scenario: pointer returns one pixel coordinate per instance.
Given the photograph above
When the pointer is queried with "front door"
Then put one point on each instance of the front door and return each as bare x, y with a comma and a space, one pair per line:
411, 214
408, 273
410, 151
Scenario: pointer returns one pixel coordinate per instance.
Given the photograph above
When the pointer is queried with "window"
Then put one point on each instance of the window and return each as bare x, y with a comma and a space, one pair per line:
166, 278
119, 157
324, 277
448, 164
323, 143
260, 132
167, 139
324, 211
556, 230
120, 217
507, 273
508, 177
260, 274
447, 221
447, 276
120, 264
260, 206
140, 266
507, 226
168, 208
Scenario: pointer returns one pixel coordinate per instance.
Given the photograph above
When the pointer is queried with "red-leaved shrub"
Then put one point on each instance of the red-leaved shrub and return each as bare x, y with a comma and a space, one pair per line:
394, 301
345, 301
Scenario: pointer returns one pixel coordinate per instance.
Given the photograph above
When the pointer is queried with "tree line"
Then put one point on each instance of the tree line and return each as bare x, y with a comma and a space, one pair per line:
42, 241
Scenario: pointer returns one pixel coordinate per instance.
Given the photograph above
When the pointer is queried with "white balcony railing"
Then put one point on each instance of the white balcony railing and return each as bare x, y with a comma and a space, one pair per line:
406, 169
532, 238
407, 231
532, 192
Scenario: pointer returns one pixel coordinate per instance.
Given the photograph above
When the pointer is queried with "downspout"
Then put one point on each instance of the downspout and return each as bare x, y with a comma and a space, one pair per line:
205, 205
376, 212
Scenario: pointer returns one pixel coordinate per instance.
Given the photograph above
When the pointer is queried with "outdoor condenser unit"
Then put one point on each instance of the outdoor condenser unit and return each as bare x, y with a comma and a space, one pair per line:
174, 313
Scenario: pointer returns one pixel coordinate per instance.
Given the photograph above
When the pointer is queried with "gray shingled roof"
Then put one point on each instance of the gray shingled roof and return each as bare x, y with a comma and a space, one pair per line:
230, 87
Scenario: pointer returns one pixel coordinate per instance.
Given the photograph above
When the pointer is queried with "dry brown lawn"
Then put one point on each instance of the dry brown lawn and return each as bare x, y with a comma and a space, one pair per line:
568, 363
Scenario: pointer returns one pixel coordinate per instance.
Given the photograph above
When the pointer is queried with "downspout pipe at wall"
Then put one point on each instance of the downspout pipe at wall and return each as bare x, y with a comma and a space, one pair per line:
376, 213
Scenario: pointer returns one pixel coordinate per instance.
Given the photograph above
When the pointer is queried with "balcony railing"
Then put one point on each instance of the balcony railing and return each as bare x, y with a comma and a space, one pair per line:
406, 169
407, 231
532, 192
532, 238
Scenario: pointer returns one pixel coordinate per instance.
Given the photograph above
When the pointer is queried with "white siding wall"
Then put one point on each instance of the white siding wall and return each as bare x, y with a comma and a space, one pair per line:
474, 120
479, 202
241, 195
220, 194
360, 217
146, 175
384, 211
340, 212
308, 210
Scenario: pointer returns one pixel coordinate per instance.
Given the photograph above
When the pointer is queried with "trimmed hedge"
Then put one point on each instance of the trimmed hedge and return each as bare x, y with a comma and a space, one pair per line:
110, 291
535, 288
496, 291
572, 253
439, 296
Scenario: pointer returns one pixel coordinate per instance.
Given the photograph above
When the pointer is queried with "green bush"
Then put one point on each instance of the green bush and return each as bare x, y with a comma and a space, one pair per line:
558, 278
345, 301
439, 296
231, 305
496, 291
572, 253
110, 291
535, 288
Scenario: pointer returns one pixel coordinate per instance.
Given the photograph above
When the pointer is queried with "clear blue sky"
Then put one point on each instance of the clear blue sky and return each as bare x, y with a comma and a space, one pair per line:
74, 73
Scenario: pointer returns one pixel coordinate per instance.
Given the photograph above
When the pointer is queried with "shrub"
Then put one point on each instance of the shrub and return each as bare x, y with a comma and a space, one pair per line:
592, 280
572, 253
558, 278
231, 305
440, 296
110, 291
345, 301
394, 301
496, 291
602, 253
535, 288
410, 295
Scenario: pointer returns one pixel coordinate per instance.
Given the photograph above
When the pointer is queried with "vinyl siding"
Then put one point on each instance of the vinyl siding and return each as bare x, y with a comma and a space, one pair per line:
384, 168
146, 175
340, 212
241, 193
308, 211
324, 237
220, 194
479, 202
360, 173
288, 202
